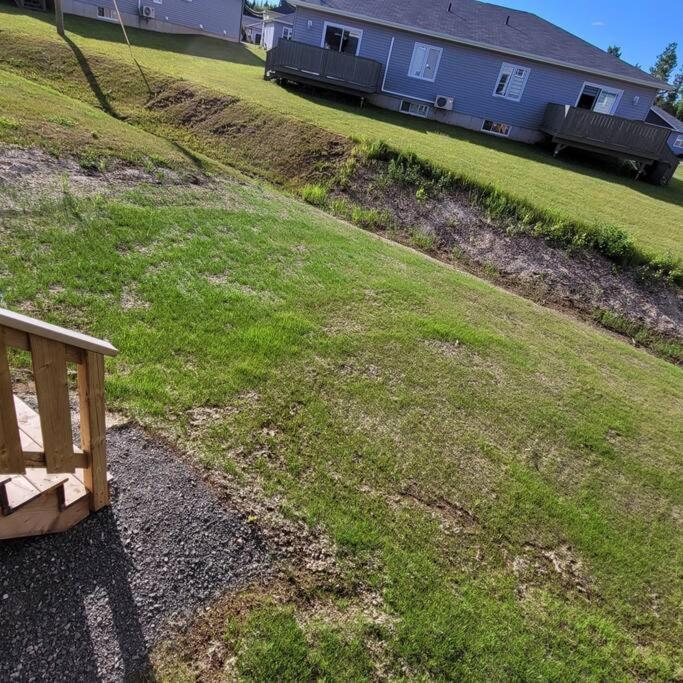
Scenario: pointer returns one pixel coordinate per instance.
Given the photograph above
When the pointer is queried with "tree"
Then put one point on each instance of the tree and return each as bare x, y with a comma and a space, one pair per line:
614, 50
663, 68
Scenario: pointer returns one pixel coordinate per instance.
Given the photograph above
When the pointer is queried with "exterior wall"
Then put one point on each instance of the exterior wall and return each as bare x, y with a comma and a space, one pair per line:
272, 34
469, 75
676, 149
218, 18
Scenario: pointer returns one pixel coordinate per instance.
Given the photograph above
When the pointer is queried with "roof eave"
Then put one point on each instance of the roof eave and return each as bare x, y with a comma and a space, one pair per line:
654, 84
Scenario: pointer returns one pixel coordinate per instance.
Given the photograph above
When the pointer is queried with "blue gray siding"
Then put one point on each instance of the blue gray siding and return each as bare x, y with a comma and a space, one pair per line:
220, 18
469, 75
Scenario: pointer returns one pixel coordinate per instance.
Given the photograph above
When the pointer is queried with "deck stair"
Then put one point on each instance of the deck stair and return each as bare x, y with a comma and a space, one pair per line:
48, 484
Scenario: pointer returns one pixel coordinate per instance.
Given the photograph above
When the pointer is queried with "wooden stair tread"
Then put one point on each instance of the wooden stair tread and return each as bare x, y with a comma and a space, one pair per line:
29, 427
20, 491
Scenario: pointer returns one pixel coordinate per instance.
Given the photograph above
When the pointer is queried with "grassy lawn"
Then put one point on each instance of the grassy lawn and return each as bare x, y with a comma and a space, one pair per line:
652, 215
35, 115
516, 509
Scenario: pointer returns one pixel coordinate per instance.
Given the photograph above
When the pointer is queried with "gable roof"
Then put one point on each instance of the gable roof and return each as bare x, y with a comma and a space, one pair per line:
669, 120
493, 27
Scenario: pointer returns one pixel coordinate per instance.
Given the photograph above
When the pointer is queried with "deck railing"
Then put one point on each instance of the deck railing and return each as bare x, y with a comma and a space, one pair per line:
336, 69
614, 133
51, 348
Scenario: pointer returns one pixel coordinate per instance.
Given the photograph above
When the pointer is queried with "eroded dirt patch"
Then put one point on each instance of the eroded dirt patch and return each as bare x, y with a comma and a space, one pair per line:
458, 231
26, 174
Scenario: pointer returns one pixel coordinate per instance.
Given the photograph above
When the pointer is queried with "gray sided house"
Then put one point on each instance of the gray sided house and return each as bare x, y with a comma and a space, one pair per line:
216, 18
659, 117
480, 66
277, 25
252, 29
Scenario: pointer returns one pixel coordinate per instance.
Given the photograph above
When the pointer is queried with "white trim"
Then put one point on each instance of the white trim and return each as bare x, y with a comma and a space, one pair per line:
350, 29
476, 43
386, 73
493, 132
609, 88
416, 104
508, 66
427, 48
678, 142
288, 29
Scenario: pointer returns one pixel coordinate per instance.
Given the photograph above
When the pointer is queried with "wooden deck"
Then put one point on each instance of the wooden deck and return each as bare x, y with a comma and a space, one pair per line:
313, 65
47, 483
637, 141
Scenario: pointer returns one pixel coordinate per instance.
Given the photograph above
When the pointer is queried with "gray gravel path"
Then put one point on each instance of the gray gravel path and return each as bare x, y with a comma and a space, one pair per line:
87, 605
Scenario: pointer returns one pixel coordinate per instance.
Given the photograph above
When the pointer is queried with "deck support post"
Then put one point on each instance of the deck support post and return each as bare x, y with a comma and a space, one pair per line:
93, 428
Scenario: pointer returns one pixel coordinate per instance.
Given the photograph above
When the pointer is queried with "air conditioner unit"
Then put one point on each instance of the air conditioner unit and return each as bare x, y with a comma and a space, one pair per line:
147, 12
443, 102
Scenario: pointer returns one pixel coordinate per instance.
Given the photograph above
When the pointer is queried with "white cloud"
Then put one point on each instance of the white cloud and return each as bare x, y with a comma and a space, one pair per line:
599, 23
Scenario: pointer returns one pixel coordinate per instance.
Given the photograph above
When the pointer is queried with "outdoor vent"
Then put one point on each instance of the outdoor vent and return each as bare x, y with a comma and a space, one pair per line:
443, 102
147, 12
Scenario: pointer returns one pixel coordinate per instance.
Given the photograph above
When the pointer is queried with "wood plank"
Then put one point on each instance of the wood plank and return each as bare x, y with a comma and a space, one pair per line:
43, 516
11, 457
16, 492
49, 371
73, 488
20, 340
34, 327
33, 459
93, 428
29, 422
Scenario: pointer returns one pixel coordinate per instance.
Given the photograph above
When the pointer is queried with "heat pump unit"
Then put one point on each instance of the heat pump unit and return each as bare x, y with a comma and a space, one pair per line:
443, 102
147, 12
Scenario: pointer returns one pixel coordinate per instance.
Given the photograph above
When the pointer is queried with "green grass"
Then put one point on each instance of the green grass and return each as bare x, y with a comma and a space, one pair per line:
382, 394
28, 117
653, 216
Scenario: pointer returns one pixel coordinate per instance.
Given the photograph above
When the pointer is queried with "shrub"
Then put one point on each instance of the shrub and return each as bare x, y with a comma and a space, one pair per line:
315, 195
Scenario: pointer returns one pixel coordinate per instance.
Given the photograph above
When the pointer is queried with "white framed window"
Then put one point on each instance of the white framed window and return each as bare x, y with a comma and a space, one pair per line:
425, 62
494, 128
107, 13
341, 38
287, 32
511, 82
599, 98
678, 142
415, 108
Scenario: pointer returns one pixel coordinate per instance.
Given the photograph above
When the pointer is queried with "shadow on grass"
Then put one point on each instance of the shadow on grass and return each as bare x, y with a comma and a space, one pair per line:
604, 168
194, 45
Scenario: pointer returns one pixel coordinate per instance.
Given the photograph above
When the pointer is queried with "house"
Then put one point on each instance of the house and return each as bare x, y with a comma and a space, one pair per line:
205, 17
252, 28
278, 24
472, 64
659, 117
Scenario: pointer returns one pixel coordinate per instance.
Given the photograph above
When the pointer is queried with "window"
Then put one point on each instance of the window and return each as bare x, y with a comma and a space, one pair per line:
341, 39
496, 128
107, 13
287, 32
425, 62
414, 108
599, 98
511, 82
678, 142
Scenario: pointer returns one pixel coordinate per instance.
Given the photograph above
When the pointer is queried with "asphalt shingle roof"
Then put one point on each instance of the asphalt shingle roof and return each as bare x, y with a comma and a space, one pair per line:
499, 27
670, 120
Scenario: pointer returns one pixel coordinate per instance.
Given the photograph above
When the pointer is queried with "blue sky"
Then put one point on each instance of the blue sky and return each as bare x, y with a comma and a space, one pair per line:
642, 28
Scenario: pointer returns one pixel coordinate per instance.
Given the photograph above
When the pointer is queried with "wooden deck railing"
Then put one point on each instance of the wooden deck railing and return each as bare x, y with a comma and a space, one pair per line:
632, 139
337, 70
51, 348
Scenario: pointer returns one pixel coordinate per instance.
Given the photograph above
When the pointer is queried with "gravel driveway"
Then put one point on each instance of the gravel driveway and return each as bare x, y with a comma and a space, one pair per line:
88, 604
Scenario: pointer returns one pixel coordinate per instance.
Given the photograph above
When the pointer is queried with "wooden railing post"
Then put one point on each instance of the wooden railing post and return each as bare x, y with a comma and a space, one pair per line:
11, 456
93, 428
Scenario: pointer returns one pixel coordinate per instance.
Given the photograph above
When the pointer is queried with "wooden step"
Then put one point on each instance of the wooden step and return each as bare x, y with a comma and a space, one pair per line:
20, 491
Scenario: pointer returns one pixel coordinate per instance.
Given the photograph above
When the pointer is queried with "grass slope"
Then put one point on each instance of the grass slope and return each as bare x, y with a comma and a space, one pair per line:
34, 115
456, 442
652, 215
